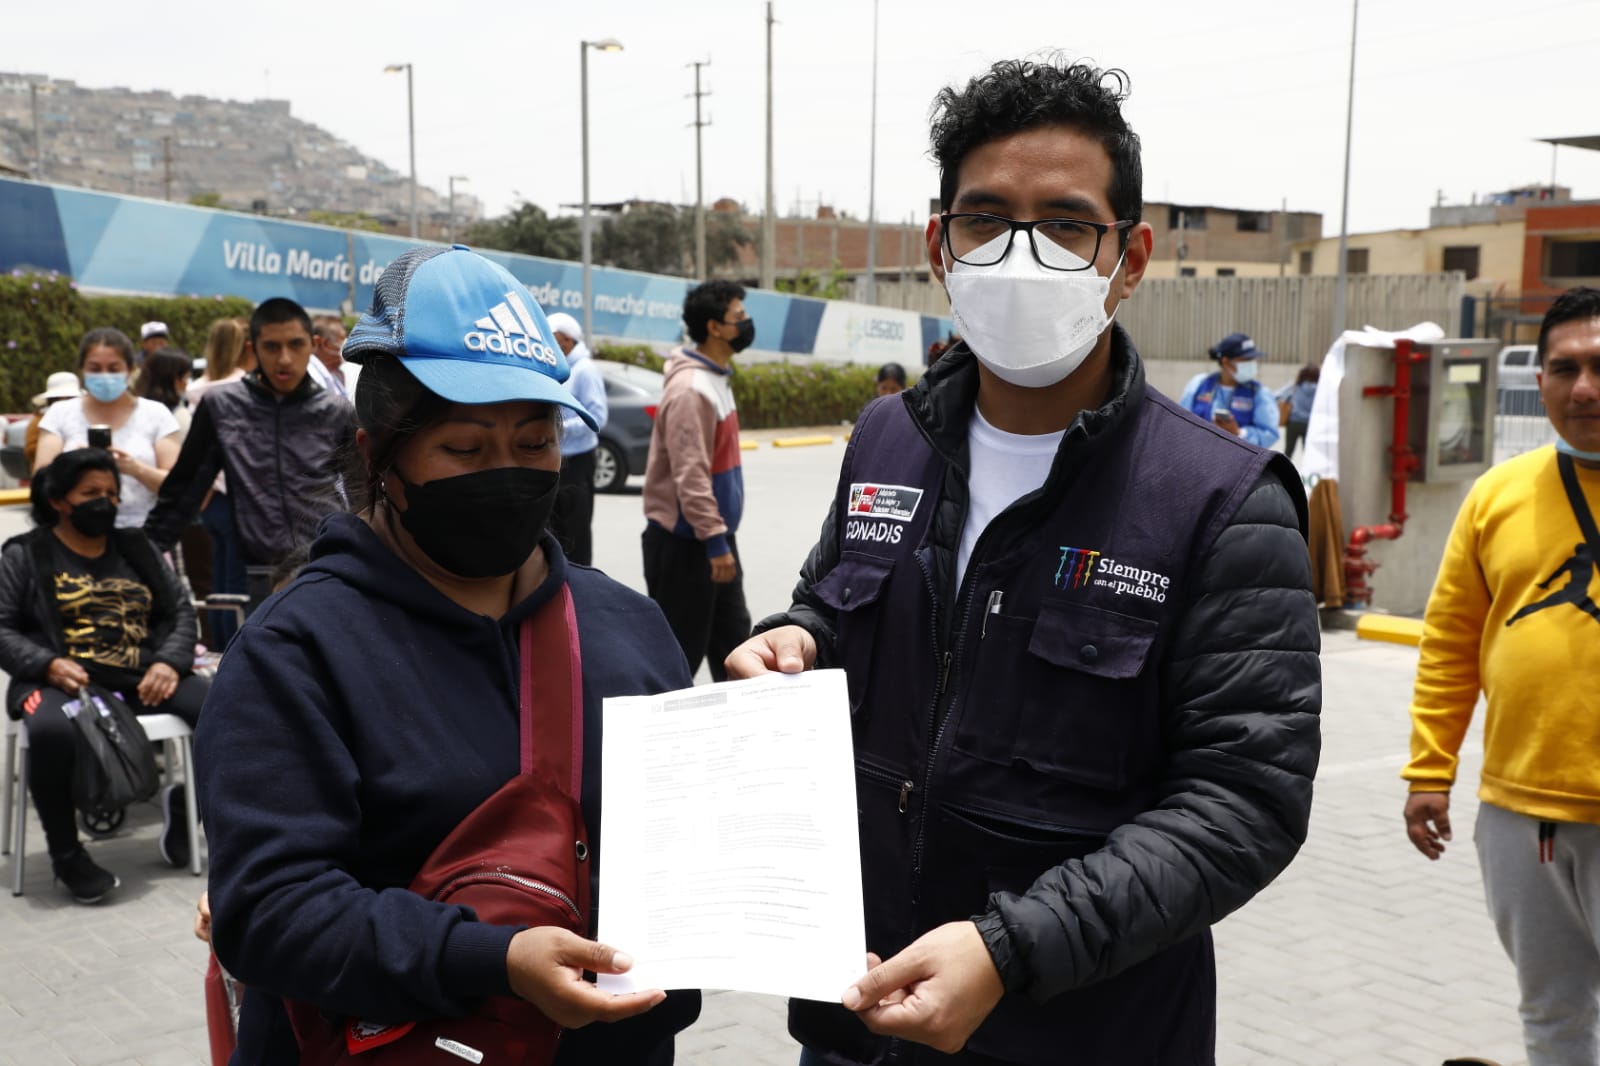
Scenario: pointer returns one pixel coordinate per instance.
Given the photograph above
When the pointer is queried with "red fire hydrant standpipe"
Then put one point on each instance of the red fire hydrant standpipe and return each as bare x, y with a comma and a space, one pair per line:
1357, 567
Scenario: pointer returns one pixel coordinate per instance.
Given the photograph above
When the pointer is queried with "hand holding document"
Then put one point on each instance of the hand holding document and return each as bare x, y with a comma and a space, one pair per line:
730, 856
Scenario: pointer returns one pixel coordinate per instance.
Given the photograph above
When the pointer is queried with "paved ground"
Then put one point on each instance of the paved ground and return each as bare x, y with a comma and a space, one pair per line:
1361, 953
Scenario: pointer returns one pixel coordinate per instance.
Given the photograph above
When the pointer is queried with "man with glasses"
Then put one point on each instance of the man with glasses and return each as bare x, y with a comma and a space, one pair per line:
1077, 626
694, 485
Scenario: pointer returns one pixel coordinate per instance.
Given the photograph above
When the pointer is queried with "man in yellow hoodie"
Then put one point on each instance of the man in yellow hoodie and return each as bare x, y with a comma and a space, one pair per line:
1514, 613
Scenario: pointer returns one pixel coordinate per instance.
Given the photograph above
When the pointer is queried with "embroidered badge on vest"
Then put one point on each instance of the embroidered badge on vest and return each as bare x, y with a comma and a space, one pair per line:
1089, 568
884, 501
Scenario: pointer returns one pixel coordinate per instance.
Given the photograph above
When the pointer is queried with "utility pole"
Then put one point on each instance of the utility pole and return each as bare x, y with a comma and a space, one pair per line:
166, 167
1344, 208
700, 268
871, 290
769, 221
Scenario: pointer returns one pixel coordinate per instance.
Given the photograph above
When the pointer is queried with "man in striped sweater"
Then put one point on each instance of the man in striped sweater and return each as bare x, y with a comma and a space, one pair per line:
693, 483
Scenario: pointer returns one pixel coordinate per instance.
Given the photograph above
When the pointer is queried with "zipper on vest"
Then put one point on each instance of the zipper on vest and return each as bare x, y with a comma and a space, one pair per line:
523, 882
906, 785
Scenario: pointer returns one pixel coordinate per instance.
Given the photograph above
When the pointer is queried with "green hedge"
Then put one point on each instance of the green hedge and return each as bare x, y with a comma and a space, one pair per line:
42, 316
780, 395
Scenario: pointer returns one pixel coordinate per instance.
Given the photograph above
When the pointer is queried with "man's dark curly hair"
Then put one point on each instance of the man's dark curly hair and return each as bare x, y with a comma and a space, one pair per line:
709, 301
1022, 94
1574, 305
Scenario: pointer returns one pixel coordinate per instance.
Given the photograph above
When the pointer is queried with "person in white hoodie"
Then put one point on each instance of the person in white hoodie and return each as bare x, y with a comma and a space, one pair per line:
574, 511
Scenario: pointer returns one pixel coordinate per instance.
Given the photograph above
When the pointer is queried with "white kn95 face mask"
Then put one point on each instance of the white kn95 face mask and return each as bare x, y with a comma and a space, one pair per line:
1030, 325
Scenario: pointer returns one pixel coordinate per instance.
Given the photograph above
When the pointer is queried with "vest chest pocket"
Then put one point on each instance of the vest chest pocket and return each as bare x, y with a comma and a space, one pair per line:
1065, 694
853, 588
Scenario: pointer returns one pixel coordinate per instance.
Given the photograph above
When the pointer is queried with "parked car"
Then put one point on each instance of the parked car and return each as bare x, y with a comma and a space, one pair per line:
1517, 365
633, 394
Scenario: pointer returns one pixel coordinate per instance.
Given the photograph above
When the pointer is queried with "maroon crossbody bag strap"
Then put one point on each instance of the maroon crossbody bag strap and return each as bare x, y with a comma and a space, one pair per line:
552, 694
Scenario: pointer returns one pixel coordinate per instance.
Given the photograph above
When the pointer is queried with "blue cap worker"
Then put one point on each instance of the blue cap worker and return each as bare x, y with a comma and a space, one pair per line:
1231, 396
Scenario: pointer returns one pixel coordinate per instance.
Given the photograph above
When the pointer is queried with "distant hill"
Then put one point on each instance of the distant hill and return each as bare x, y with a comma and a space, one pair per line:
252, 155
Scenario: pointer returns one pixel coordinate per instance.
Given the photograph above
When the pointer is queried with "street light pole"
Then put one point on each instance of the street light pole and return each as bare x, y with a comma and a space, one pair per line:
411, 135
609, 44
451, 229
1344, 208
871, 289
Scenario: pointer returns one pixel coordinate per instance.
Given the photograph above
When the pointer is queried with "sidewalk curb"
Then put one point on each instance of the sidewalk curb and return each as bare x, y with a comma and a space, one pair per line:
800, 442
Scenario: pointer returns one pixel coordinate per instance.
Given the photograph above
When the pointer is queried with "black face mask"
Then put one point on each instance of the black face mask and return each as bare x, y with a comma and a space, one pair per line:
94, 518
483, 524
746, 335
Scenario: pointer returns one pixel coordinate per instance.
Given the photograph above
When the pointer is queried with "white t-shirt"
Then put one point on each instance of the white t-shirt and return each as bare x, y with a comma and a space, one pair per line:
148, 423
1002, 468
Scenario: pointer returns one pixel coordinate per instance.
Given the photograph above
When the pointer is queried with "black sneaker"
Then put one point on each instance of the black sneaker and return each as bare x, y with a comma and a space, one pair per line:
174, 827
86, 881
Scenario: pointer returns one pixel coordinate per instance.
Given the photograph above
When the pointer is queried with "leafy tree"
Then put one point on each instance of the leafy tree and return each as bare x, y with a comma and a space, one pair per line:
725, 236
808, 283
654, 238
529, 230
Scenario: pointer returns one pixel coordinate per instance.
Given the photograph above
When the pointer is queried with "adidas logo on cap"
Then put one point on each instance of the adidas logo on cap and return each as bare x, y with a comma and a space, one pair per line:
508, 329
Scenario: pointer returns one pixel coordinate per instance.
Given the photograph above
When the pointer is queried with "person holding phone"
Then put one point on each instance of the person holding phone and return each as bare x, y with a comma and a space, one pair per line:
1231, 397
141, 434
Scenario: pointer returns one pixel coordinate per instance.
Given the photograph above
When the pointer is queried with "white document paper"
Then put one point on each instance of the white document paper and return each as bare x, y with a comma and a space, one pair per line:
729, 849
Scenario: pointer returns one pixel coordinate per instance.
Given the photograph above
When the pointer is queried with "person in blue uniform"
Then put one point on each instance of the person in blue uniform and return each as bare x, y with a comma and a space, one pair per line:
1231, 396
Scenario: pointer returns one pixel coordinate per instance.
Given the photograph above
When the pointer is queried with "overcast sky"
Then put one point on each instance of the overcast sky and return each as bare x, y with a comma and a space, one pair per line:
1240, 103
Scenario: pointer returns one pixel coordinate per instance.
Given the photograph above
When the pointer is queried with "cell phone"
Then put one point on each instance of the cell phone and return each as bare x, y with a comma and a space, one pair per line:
100, 437
1222, 414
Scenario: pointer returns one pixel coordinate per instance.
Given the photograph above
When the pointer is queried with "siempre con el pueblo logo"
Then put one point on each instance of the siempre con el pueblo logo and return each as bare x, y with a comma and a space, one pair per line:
1088, 568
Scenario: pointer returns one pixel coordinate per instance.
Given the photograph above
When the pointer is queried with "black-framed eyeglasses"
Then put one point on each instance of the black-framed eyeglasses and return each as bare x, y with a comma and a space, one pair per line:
973, 238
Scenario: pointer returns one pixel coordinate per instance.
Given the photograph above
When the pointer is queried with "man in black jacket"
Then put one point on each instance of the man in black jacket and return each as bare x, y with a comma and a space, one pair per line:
1077, 626
280, 438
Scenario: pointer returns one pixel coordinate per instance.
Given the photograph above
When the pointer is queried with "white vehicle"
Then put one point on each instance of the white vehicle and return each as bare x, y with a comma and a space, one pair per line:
1518, 363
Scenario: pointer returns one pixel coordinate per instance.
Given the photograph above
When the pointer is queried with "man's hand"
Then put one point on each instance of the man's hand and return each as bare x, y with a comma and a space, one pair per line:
935, 992
1428, 821
546, 967
785, 650
67, 675
1226, 421
158, 683
724, 568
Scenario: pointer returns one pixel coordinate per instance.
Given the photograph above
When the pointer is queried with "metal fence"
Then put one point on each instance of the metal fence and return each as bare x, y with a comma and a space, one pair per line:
1290, 319
1520, 424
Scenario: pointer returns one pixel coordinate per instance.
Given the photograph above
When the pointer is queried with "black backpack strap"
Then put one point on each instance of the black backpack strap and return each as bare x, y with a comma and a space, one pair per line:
1580, 506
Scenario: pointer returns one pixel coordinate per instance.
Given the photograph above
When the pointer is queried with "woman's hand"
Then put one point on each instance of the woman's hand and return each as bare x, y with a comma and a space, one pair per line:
202, 918
160, 682
66, 675
126, 463
546, 967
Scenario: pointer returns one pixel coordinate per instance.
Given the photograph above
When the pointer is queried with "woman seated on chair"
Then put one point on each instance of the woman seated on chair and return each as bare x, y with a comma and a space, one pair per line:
82, 602
372, 705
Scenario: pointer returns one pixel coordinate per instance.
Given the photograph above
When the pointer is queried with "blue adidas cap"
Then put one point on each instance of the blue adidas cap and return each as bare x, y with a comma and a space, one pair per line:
465, 328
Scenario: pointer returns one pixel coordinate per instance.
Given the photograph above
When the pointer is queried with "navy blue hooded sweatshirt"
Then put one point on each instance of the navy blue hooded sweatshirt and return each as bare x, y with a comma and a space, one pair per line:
357, 718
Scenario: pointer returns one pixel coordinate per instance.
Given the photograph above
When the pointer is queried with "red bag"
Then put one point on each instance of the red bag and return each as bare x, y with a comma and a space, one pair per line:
222, 1012
520, 858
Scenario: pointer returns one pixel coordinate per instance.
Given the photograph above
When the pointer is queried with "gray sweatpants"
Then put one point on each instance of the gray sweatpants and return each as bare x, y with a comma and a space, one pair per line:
1542, 880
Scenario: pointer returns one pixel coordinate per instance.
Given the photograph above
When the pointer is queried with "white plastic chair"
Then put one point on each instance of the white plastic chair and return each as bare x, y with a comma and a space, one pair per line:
173, 731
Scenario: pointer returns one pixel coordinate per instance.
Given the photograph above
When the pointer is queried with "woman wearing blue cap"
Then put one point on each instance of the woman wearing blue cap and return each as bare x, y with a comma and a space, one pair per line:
371, 706
1231, 396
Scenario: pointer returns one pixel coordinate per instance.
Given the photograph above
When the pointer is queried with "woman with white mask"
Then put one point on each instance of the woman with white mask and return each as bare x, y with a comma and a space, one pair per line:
1231, 396
144, 435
